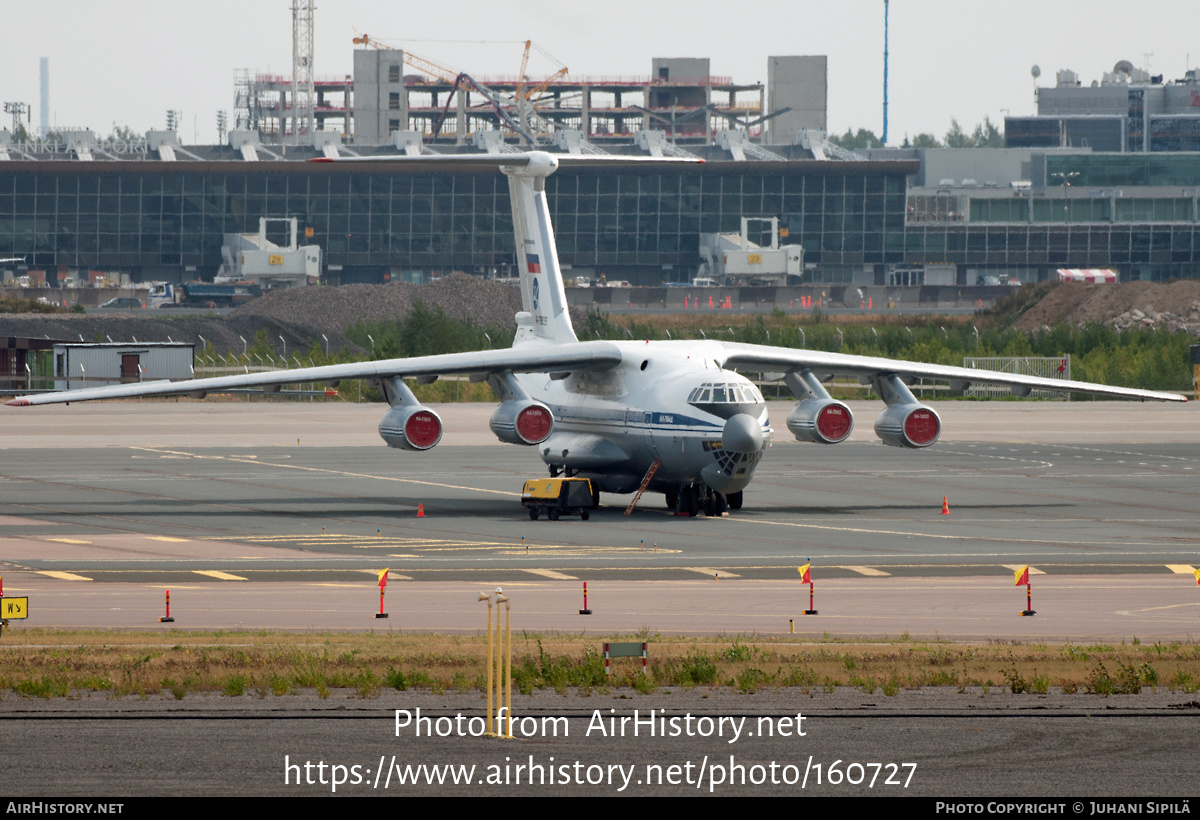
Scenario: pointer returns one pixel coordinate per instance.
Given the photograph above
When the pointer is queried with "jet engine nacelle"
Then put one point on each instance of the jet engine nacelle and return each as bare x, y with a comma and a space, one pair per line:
824, 421
908, 425
411, 427
522, 421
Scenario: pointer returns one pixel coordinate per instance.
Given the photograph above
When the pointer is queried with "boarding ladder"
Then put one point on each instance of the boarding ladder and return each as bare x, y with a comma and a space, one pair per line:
645, 483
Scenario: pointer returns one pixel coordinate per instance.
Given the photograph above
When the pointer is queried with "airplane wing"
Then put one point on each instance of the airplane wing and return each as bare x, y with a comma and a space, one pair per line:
762, 357
532, 358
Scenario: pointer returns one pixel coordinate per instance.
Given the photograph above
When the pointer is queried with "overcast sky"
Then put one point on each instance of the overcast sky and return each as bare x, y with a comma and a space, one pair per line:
127, 61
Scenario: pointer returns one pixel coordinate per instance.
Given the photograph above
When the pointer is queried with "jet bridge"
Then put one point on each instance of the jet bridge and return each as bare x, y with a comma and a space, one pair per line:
734, 256
254, 258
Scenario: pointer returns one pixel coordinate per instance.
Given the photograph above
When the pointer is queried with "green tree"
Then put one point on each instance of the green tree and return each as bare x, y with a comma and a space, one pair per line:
926, 140
864, 138
956, 137
123, 133
987, 135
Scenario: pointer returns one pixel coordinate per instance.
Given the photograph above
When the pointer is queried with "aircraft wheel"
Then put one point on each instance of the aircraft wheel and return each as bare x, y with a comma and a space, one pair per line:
693, 501
710, 505
585, 515
533, 513
735, 500
552, 514
672, 501
595, 496
722, 502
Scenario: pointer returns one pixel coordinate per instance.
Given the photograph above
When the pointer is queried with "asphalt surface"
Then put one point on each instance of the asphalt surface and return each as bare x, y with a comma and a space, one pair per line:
280, 516
263, 515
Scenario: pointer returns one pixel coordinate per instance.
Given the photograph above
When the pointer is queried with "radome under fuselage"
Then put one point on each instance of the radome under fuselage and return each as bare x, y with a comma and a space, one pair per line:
668, 402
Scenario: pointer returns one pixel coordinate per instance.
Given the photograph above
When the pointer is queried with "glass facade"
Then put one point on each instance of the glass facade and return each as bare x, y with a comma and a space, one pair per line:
142, 214
132, 215
1128, 170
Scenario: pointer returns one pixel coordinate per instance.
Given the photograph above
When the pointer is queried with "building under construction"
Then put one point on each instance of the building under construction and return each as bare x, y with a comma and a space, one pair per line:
394, 91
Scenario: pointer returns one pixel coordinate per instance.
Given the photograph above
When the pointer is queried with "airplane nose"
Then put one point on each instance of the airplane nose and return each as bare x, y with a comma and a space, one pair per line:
742, 434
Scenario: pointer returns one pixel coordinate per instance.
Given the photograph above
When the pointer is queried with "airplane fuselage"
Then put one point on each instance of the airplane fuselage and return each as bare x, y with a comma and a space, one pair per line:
667, 402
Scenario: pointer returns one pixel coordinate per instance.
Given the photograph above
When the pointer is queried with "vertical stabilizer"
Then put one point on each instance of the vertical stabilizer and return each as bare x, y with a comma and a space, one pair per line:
542, 292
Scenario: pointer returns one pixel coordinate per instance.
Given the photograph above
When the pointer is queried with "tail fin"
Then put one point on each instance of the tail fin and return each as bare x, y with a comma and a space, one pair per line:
542, 292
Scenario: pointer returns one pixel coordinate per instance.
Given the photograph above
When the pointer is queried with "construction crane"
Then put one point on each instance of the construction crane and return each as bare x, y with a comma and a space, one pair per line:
527, 114
444, 74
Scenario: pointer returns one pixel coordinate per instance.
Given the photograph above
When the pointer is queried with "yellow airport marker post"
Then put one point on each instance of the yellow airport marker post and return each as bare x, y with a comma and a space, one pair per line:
806, 578
1021, 576
167, 619
504, 682
1195, 572
483, 596
382, 586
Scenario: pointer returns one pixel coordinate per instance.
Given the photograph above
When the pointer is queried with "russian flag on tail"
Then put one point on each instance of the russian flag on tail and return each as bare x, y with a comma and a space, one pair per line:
535, 264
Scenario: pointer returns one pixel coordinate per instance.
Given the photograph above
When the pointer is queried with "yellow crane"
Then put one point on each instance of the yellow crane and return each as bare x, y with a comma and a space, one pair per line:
420, 63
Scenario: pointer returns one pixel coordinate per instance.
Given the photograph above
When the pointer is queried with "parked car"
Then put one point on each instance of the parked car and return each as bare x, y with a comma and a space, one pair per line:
123, 302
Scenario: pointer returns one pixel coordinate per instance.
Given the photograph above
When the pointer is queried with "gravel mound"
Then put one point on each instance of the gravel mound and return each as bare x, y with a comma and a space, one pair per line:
302, 316
460, 296
1167, 304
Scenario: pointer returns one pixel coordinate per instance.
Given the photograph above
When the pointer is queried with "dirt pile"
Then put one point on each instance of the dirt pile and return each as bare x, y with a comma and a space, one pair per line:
1170, 305
301, 316
460, 296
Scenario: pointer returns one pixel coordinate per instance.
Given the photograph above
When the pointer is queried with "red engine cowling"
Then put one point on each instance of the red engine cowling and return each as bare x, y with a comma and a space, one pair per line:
411, 427
522, 422
908, 425
824, 421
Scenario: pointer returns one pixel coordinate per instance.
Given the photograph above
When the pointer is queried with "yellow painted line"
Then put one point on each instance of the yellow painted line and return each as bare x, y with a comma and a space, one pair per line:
62, 576
1015, 567
392, 576
551, 574
710, 572
395, 555
509, 493
167, 538
1180, 569
68, 540
871, 571
220, 576
931, 535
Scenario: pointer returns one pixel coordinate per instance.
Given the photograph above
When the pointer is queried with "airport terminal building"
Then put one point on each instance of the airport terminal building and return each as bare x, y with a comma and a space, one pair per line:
159, 211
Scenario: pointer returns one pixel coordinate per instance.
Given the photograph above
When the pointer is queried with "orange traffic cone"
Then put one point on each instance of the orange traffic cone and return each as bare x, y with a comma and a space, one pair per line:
945, 506
420, 510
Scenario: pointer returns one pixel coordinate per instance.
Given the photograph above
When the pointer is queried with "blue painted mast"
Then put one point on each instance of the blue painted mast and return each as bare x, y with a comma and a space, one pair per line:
885, 68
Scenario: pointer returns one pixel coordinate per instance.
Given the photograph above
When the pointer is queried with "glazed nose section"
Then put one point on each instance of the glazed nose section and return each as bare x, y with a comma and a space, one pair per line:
742, 434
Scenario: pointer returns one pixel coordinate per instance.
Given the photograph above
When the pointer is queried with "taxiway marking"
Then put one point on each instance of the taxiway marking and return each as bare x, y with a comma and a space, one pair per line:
220, 576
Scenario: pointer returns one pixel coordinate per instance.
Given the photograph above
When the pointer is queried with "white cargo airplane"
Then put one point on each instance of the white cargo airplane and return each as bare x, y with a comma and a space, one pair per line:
672, 417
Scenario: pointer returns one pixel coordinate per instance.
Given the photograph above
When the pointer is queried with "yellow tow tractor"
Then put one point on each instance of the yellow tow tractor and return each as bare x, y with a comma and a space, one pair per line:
558, 496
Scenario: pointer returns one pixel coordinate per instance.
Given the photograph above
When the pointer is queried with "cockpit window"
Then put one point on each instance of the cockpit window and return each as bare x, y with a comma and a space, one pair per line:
726, 394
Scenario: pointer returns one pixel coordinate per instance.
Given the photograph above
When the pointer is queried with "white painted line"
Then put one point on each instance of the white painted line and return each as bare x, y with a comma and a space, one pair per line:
871, 571
62, 576
711, 572
220, 576
549, 573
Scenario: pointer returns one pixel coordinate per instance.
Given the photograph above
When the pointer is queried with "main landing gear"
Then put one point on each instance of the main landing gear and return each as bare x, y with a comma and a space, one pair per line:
690, 500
